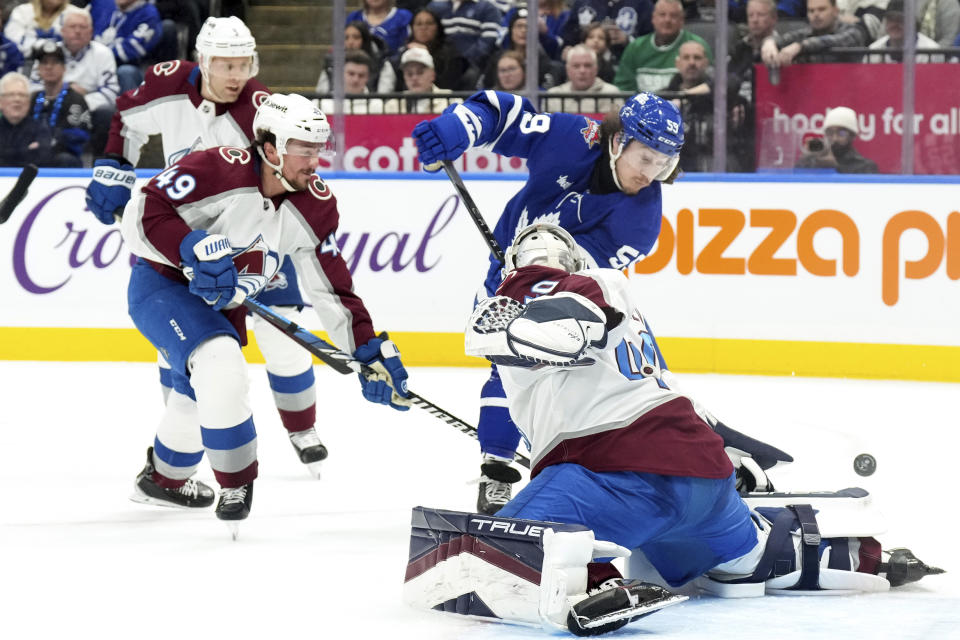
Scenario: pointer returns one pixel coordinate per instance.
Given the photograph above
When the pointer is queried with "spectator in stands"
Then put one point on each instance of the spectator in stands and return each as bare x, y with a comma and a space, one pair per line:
582, 78
550, 71
356, 36
761, 24
596, 37
812, 43
91, 72
624, 20
357, 67
893, 26
418, 74
511, 72
835, 150
59, 108
648, 62
385, 21
22, 140
450, 67
786, 8
473, 26
868, 14
131, 29
412, 5
939, 20
694, 84
36, 20
553, 18
11, 58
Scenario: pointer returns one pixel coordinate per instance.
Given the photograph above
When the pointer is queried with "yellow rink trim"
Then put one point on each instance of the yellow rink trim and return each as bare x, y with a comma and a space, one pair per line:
700, 355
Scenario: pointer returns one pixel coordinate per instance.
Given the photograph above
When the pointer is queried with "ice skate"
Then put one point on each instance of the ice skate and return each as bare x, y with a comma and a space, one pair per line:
234, 506
309, 449
496, 484
615, 604
902, 567
193, 494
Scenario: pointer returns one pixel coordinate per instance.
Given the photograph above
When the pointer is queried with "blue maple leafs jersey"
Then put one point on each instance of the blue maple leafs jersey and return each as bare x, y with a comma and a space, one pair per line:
561, 150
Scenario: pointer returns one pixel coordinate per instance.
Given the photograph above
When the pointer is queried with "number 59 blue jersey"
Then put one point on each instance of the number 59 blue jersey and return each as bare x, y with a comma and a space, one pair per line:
562, 151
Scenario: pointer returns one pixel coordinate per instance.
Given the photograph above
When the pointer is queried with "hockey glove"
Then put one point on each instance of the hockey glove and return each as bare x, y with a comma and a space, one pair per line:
208, 264
109, 191
386, 381
443, 138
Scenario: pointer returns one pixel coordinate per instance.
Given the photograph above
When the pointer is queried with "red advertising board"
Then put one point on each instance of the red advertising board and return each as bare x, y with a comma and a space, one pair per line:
797, 105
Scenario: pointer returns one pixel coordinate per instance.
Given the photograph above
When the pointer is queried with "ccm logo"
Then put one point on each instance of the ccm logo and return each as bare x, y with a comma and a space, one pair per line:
532, 531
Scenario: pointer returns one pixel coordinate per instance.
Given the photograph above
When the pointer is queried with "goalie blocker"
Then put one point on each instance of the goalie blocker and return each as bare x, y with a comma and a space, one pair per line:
521, 571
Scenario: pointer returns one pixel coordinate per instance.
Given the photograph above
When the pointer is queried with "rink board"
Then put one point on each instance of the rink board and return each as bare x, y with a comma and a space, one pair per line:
818, 276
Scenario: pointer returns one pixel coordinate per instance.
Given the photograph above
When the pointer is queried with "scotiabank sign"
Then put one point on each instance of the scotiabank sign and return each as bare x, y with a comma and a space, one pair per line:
384, 143
798, 104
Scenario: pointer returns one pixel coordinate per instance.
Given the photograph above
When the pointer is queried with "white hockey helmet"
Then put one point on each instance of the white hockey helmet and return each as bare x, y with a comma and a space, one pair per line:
290, 117
227, 38
545, 244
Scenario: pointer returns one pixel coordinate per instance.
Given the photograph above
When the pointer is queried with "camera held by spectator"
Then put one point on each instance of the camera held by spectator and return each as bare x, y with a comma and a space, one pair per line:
834, 150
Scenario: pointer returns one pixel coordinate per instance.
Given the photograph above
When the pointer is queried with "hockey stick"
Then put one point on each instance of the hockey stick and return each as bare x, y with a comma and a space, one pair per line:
471, 206
346, 364
18, 193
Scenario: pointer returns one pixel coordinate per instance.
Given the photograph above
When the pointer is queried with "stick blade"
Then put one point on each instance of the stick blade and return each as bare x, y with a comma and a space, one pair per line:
18, 193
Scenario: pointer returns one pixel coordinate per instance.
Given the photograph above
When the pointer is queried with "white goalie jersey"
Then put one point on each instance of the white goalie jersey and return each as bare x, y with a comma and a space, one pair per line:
584, 378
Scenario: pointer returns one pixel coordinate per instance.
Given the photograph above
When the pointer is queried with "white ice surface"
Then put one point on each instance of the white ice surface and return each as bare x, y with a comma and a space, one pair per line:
325, 559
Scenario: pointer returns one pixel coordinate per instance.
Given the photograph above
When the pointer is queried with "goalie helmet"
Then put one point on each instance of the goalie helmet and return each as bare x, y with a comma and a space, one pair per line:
226, 38
544, 244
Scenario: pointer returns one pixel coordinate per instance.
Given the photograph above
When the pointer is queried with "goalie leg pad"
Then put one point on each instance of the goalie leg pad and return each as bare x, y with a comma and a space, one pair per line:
521, 571
798, 560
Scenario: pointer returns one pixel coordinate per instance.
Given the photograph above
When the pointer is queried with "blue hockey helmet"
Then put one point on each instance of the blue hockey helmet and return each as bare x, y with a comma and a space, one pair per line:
653, 121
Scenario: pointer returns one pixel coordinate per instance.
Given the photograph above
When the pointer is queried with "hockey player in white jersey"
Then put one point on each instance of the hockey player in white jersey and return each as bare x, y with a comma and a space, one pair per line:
211, 229
618, 450
195, 106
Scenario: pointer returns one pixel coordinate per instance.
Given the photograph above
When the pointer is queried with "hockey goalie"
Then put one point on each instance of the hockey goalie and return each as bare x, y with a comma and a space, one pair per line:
622, 461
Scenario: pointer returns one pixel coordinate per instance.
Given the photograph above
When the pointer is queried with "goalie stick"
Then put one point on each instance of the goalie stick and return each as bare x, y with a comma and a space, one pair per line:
471, 206
18, 193
346, 364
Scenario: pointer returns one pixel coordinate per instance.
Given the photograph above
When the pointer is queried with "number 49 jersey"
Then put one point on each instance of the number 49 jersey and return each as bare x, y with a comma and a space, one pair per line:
618, 413
218, 191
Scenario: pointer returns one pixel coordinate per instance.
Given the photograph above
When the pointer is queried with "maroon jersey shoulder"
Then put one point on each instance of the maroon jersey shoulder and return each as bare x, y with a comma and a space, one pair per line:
532, 281
162, 80
318, 206
204, 174
243, 110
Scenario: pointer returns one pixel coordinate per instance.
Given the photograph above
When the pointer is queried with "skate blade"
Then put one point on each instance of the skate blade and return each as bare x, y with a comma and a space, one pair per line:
233, 526
314, 468
142, 498
638, 612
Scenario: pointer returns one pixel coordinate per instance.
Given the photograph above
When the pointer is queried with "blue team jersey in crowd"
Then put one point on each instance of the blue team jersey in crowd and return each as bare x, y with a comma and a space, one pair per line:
131, 34
10, 57
561, 150
394, 30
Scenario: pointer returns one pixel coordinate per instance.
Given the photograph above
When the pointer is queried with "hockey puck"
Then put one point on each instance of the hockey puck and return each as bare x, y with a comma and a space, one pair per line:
864, 464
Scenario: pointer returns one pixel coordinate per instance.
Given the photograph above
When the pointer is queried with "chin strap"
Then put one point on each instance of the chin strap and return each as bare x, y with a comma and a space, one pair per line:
613, 161
277, 168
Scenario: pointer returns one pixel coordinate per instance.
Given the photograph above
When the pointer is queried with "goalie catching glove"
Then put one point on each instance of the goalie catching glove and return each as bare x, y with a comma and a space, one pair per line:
384, 379
554, 330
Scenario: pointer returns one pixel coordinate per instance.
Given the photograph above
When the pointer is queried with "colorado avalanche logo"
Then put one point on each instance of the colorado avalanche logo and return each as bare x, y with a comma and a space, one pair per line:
259, 97
591, 132
167, 68
235, 155
318, 188
256, 266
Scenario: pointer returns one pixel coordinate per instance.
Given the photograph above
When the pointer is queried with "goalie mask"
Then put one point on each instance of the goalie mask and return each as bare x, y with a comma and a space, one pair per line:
221, 46
545, 244
655, 123
298, 127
